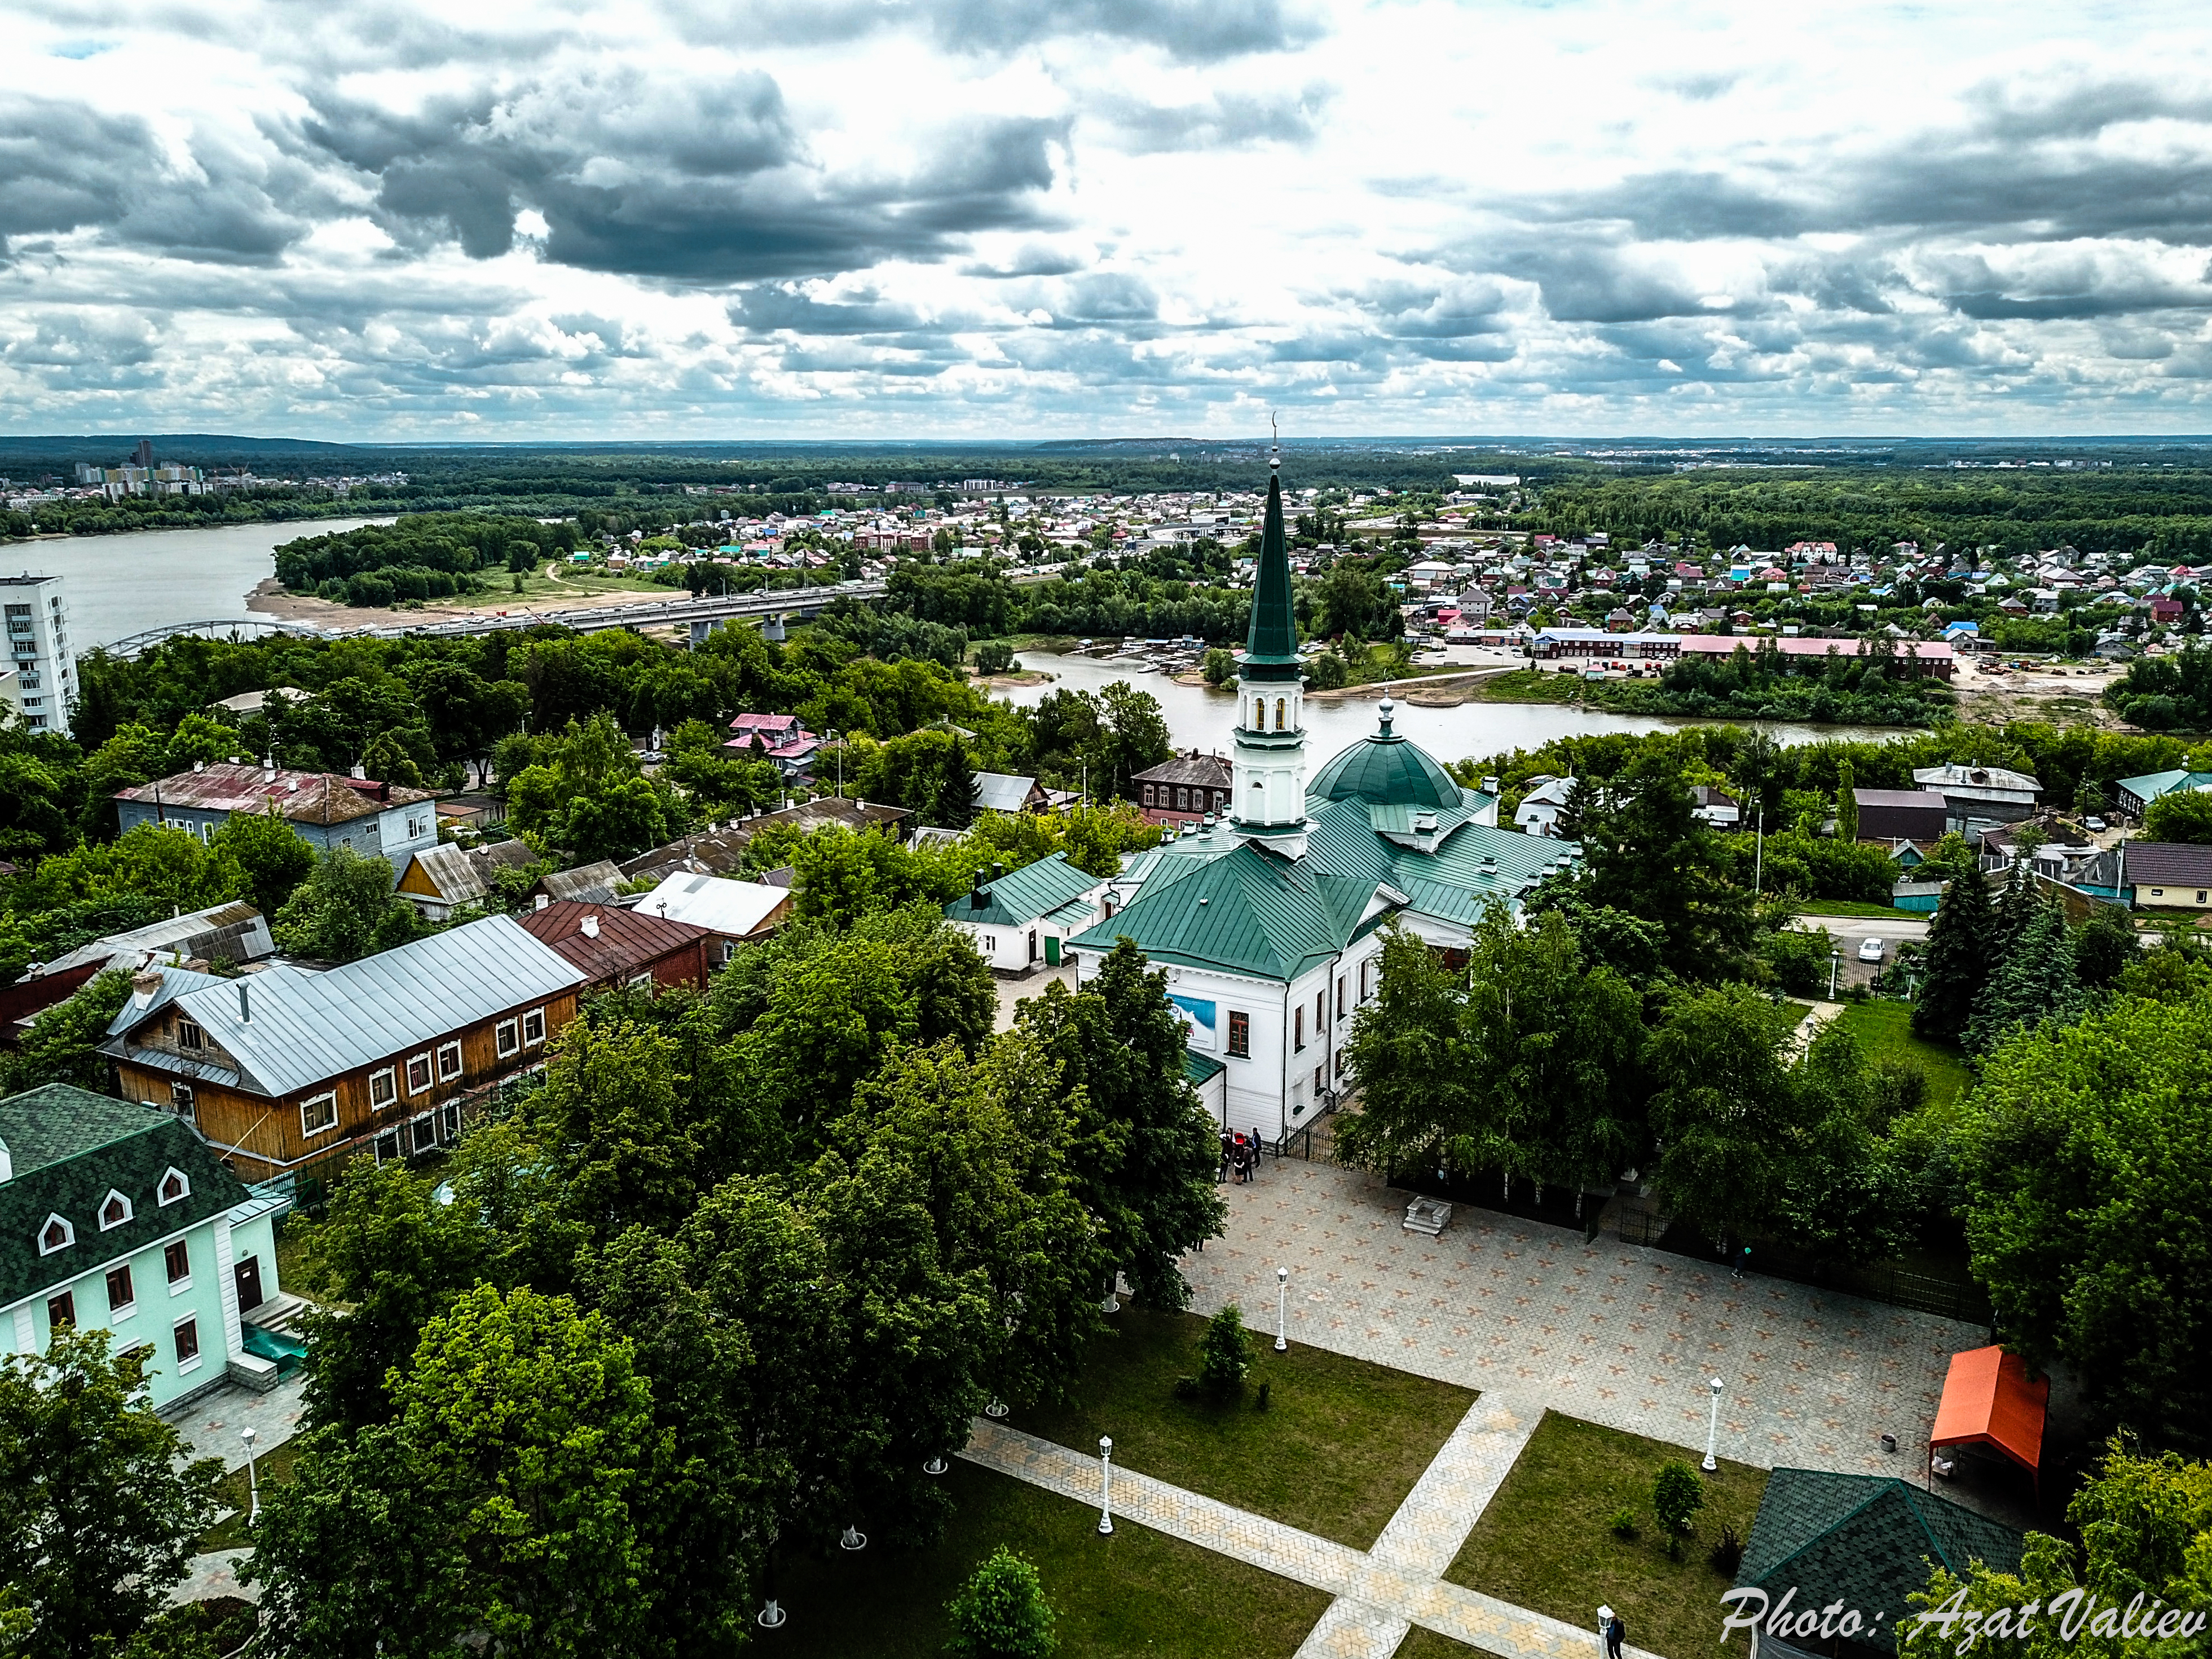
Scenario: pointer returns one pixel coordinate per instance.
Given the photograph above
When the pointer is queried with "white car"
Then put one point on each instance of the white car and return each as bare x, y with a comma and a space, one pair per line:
1870, 949
2096, 826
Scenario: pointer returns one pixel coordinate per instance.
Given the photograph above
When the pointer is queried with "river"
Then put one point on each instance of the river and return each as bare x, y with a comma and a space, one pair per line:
118, 585
1201, 718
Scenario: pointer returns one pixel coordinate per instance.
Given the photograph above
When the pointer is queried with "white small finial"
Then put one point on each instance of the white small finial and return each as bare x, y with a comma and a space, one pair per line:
1389, 709
1275, 455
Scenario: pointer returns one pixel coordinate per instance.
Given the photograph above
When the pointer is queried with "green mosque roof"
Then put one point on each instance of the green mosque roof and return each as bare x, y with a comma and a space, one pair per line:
1384, 769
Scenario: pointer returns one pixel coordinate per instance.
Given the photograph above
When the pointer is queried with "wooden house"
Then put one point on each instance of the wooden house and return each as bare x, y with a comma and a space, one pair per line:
287, 1067
623, 949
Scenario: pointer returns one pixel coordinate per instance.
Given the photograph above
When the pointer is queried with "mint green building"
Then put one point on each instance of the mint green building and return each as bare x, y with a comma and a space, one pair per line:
118, 1218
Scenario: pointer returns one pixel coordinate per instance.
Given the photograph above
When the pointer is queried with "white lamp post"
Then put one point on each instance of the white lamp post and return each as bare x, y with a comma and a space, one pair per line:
1604, 1629
1713, 1428
936, 1465
1105, 1484
253, 1480
1282, 1310
852, 1539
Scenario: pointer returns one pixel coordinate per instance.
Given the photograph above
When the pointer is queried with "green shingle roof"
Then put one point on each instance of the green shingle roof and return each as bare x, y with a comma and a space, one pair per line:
1271, 648
69, 1148
1200, 1068
1864, 1538
1020, 896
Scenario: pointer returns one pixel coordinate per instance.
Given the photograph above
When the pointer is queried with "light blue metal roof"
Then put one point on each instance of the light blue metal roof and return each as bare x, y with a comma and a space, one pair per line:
303, 1028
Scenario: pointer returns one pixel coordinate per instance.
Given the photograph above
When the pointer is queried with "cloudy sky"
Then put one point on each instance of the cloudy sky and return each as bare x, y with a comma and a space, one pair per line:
924, 218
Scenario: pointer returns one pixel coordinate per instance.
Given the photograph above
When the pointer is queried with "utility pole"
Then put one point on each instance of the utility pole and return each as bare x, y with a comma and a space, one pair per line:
1759, 851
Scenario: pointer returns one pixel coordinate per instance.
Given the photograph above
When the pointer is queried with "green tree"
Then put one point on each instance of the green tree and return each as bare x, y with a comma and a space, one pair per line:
1677, 1495
1647, 853
2034, 982
1144, 1150
344, 910
2180, 814
98, 1508
1960, 943
1847, 804
274, 856
1724, 1109
1224, 1354
2145, 1526
1001, 1612
134, 755
1219, 667
515, 1474
2084, 1155
587, 795
63, 1043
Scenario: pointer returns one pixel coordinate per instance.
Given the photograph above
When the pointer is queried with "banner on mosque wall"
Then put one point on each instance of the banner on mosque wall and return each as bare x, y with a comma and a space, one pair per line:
1201, 1022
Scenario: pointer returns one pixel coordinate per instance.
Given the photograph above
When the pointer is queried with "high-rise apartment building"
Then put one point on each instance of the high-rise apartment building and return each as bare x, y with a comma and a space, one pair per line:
36, 613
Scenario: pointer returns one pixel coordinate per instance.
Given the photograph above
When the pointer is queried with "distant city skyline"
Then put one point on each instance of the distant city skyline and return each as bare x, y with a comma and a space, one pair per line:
877, 220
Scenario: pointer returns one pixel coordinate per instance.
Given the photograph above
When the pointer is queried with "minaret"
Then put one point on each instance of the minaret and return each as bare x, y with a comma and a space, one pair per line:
1270, 759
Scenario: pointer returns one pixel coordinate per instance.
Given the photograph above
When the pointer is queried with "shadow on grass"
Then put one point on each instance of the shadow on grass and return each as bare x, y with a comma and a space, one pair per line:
1340, 1445
1135, 1593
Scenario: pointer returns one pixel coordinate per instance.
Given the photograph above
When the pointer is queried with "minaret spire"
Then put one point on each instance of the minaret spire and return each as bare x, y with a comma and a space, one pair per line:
1270, 804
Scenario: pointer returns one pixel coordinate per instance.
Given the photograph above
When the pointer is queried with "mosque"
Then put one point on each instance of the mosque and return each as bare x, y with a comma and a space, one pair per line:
1268, 919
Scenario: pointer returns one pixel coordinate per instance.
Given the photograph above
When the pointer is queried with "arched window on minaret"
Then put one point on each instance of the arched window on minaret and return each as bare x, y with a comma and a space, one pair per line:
1281, 705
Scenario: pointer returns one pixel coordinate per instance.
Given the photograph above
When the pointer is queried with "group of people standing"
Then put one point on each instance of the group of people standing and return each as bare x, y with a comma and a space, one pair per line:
1240, 1157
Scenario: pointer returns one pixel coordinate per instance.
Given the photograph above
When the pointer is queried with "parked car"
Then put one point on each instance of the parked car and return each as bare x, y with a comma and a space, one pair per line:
1870, 949
2096, 826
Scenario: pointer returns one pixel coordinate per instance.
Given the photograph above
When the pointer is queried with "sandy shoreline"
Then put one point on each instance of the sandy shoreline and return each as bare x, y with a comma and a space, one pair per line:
269, 599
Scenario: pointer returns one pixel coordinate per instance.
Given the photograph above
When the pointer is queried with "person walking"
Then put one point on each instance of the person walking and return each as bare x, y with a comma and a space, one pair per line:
1239, 1159
1221, 1174
1615, 1634
1256, 1151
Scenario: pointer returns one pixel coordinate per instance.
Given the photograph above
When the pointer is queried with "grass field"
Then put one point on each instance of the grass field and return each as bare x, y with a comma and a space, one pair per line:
1340, 1445
1884, 1030
1547, 1542
1135, 1593
1427, 1644
1856, 907
1528, 685
272, 1468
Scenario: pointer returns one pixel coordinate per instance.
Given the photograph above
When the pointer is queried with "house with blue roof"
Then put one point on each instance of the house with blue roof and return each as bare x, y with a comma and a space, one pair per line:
1268, 919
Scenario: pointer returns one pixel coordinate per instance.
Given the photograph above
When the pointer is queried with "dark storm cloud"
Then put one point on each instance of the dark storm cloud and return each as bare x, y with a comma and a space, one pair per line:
687, 181
773, 306
63, 167
1109, 297
1429, 311
1033, 259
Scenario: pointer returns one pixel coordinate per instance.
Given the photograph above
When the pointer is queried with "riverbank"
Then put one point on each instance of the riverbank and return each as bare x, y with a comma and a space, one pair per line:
1905, 707
541, 594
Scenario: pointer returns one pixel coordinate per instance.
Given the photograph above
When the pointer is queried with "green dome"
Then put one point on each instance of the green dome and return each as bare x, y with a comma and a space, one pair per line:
1386, 770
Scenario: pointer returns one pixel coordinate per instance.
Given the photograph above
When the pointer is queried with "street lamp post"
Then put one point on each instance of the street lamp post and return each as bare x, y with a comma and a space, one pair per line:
1713, 1428
1835, 967
1105, 1485
1282, 1310
835, 735
253, 1480
1604, 1630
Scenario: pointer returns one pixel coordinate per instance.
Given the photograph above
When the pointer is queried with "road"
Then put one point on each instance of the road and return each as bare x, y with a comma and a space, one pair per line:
1850, 931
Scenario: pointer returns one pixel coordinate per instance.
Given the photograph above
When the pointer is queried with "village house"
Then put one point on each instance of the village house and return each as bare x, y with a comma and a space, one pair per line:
1002, 792
782, 740
118, 1217
731, 912
623, 949
1185, 788
1021, 918
285, 1068
720, 850
439, 880
385, 821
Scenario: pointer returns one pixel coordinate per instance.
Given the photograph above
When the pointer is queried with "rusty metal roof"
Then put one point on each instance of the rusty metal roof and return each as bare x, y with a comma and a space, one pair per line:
619, 942
316, 797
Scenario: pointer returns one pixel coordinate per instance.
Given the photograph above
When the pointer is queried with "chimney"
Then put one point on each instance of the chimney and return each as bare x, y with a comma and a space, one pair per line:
542, 903
1490, 786
144, 986
590, 926
245, 1005
200, 766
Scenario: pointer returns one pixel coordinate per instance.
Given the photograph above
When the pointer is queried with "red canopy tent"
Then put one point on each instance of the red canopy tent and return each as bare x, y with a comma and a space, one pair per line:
1989, 1401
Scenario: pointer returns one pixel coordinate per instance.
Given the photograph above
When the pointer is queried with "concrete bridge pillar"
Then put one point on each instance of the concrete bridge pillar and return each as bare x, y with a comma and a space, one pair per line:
772, 628
702, 627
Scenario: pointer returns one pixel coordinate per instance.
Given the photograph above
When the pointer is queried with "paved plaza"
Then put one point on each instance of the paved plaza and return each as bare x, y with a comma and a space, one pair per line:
1616, 1333
209, 1424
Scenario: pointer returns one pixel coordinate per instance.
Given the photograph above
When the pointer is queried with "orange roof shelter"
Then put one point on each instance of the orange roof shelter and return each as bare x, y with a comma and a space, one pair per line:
1989, 1401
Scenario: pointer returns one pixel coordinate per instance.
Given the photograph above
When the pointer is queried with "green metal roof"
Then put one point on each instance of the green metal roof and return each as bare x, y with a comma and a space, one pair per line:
1272, 643
68, 1147
1384, 769
1020, 896
1865, 1539
2151, 784
1200, 1068
1246, 911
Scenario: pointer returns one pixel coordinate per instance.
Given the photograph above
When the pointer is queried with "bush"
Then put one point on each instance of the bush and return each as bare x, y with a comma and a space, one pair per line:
1001, 1612
994, 657
1223, 1356
1623, 1522
1727, 1555
1677, 1494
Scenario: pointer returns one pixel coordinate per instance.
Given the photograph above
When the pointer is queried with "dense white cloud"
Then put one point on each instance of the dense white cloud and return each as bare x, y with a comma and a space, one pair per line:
923, 217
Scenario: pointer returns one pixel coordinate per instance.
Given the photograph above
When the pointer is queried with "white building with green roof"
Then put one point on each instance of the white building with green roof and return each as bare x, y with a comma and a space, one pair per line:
1024, 918
116, 1216
1267, 923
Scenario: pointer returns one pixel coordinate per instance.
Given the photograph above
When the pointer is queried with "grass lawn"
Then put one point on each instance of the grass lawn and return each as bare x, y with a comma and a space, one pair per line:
1547, 1542
1135, 1593
1856, 907
1884, 1030
273, 1468
1427, 1644
1528, 685
1340, 1445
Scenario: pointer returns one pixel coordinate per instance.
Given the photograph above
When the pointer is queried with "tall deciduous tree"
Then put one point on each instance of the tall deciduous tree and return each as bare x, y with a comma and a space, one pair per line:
1847, 803
344, 910
273, 855
2086, 1154
1144, 1151
1725, 1108
1646, 852
98, 1510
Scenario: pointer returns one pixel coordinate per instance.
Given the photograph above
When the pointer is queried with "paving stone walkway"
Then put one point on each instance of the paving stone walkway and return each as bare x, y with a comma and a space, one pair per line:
209, 1424
1613, 1332
1380, 1593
